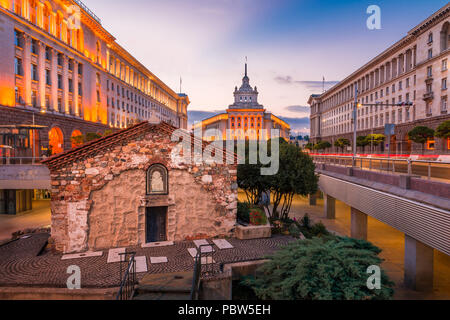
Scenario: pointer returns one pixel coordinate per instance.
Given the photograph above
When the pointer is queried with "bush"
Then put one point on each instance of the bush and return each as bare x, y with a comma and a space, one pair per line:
330, 268
257, 217
243, 212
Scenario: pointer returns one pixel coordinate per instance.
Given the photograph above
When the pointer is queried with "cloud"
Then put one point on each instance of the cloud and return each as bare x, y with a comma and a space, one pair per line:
197, 115
298, 125
308, 84
299, 109
284, 80
316, 85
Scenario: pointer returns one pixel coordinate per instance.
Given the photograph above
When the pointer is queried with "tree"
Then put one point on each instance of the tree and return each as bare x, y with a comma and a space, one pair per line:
322, 145
443, 131
90, 136
327, 268
362, 142
375, 139
421, 134
309, 146
342, 143
296, 175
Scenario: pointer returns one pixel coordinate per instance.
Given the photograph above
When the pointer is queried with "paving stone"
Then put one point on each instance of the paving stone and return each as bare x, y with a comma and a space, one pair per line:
158, 244
82, 255
156, 260
223, 244
114, 255
20, 267
207, 260
193, 252
141, 264
199, 243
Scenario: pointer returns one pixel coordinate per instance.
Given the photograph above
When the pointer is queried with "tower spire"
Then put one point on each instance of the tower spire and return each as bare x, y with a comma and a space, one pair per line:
246, 66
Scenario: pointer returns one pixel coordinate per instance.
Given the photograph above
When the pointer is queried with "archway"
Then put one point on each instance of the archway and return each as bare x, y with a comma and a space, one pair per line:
407, 145
76, 138
445, 40
393, 145
56, 140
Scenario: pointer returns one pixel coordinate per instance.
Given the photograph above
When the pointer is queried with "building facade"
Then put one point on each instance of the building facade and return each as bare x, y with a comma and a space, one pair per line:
245, 118
59, 63
412, 71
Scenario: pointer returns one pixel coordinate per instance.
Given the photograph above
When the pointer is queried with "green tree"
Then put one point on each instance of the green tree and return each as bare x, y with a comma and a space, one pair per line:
309, 146
421, 134
296, 175
327, 268
362, 142
376, 139
443, 131
342, 143
322, 145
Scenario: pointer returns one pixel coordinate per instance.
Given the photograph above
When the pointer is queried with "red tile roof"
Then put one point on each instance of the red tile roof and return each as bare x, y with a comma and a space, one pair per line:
105, 143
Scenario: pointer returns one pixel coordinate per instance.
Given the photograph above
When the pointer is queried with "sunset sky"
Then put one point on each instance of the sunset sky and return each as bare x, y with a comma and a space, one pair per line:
290, 44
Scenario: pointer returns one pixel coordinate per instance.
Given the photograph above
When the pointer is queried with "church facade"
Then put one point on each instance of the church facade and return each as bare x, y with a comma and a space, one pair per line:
245, 118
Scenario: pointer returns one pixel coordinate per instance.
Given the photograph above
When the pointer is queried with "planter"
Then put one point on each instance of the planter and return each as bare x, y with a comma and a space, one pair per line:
253, 232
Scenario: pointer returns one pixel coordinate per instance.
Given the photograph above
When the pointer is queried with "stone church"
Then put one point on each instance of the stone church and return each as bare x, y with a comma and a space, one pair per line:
124, 190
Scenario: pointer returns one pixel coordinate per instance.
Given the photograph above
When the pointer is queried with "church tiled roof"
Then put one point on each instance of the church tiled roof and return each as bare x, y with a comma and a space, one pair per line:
103, 144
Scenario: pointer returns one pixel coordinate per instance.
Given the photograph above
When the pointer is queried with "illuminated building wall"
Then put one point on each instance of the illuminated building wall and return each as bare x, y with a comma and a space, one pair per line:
53, 64
245, 118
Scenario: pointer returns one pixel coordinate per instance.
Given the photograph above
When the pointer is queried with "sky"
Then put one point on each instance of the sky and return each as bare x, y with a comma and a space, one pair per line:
291, 45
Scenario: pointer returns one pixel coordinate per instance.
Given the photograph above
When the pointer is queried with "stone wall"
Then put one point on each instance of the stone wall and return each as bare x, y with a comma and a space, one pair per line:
99, 202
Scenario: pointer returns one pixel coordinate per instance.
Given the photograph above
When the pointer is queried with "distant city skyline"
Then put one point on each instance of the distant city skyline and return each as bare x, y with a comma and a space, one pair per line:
291, 45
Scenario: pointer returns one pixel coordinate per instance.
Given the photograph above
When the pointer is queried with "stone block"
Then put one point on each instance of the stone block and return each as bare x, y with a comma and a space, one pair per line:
253, 232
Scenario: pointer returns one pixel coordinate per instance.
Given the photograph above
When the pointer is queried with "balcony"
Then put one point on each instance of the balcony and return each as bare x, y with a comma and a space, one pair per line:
428, 96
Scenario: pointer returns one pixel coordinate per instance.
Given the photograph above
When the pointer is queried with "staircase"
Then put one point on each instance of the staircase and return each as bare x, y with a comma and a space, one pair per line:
168, 286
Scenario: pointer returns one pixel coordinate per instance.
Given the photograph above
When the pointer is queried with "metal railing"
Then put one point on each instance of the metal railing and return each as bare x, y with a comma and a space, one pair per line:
195, 290
128, 279
88, 11
393, 165
204, 265
20, 160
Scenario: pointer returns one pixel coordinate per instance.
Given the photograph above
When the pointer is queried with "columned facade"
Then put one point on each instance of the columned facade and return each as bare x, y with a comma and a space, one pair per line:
406, 85
76, 69
244, 119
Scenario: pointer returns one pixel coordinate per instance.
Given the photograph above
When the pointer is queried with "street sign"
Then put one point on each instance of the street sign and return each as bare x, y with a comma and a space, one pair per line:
389, 129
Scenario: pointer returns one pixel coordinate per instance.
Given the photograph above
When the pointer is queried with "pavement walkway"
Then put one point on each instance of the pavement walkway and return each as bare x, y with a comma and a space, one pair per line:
39, 217
21, 267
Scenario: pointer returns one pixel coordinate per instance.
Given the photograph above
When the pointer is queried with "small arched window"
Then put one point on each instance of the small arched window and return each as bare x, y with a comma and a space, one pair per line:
157, 180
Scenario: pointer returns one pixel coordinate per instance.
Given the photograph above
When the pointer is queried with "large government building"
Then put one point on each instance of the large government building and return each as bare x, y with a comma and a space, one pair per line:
415, 70
61, 72
245, 118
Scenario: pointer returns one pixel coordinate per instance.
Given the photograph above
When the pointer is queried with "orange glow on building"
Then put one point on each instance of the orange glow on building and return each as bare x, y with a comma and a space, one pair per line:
56, 140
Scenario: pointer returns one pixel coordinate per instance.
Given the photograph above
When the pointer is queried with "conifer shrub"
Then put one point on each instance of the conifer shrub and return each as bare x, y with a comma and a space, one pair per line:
327, 268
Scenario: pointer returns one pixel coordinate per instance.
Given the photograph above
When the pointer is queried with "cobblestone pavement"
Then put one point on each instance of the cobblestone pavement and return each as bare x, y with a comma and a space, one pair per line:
21, 267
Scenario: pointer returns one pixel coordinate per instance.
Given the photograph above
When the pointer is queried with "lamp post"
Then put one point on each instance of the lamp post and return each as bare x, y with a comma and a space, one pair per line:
355, 110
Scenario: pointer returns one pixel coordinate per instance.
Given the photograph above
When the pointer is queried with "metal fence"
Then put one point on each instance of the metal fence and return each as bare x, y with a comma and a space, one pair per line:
425, 168
127, 279
20, 160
